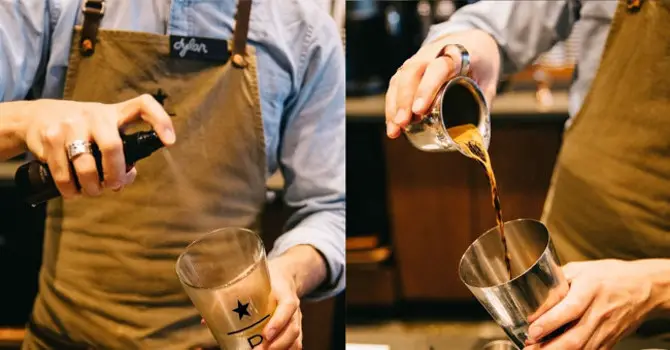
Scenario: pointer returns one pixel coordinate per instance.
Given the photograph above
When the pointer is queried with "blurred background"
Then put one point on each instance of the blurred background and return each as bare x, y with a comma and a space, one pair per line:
410, 214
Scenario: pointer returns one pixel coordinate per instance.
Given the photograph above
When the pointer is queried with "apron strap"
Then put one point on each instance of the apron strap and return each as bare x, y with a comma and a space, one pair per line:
93, 11
241, 31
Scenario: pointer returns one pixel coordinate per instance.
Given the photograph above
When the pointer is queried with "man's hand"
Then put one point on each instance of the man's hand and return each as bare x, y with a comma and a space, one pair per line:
293, 274
607, 300
414, 86
284, 329
48, 126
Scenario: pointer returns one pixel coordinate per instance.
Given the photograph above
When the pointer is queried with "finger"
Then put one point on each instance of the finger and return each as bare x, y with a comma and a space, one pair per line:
573, 306
576, 337
84, 164
56, 158
438, 72
297, 345
298, 342
554, 297
129, 178
408, 81
149, 110
288, 336
281, 318
392, 130
107, 137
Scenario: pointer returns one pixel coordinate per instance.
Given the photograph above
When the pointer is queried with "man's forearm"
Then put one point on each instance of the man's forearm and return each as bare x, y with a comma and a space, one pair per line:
659, 273
12, 124
522, 29
307, 267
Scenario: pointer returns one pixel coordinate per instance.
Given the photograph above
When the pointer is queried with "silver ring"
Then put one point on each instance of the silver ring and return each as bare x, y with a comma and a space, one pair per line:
78, 147
465, 57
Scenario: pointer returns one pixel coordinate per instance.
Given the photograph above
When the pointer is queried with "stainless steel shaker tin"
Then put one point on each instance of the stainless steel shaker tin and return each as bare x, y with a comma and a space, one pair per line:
537, 280
459, 101
500, 345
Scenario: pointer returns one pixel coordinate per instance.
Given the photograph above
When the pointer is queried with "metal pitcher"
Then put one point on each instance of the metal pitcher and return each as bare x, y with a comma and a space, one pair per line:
460, 101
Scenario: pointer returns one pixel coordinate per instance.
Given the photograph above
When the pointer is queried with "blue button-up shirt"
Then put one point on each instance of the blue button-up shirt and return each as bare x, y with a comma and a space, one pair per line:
526, 29
301, 77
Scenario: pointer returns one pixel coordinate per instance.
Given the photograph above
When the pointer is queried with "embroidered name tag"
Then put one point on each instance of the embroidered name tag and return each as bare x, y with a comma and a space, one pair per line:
193, 48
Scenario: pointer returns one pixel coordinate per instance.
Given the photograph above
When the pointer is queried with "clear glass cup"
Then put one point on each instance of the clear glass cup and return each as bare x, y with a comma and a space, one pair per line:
225, 274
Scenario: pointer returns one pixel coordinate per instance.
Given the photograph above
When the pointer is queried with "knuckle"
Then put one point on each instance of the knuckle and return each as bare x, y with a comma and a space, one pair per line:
52, 135
295, 328
389, 91
110, 147
62, 181
412, 65
561, 294
294, 303
89, 112
68, 123
394, 79
606, 313
146, 99
87, 172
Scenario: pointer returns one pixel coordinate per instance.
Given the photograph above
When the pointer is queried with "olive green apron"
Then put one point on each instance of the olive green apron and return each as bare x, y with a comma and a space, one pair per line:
610, 194
108, 278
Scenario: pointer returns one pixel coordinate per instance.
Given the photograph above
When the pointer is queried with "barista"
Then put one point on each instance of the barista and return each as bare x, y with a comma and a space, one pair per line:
275, 100
609, 204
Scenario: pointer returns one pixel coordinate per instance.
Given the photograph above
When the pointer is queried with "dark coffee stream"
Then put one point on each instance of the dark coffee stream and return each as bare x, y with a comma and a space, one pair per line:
470, 141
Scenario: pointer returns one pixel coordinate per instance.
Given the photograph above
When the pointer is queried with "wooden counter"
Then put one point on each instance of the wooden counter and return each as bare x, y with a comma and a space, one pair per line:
513, 105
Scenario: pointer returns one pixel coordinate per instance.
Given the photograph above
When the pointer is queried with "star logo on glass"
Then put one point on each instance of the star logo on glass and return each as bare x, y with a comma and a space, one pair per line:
242, 309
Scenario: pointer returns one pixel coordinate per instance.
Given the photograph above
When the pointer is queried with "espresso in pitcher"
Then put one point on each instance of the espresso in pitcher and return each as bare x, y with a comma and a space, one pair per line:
470, 141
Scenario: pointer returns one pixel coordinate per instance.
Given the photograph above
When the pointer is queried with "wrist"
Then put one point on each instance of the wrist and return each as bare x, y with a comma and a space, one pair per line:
658, 273
14, 119
305, 266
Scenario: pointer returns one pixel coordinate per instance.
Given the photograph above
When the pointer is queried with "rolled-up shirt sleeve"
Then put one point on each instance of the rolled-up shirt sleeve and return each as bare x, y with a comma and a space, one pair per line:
312, 158
24, 33
522, 29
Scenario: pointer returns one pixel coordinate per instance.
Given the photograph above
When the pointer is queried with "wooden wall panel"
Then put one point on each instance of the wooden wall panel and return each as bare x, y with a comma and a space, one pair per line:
440, 202
429, 207
523, 158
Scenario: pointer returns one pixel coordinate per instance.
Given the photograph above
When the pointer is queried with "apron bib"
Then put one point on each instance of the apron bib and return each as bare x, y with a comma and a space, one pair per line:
610, 193
108, 277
